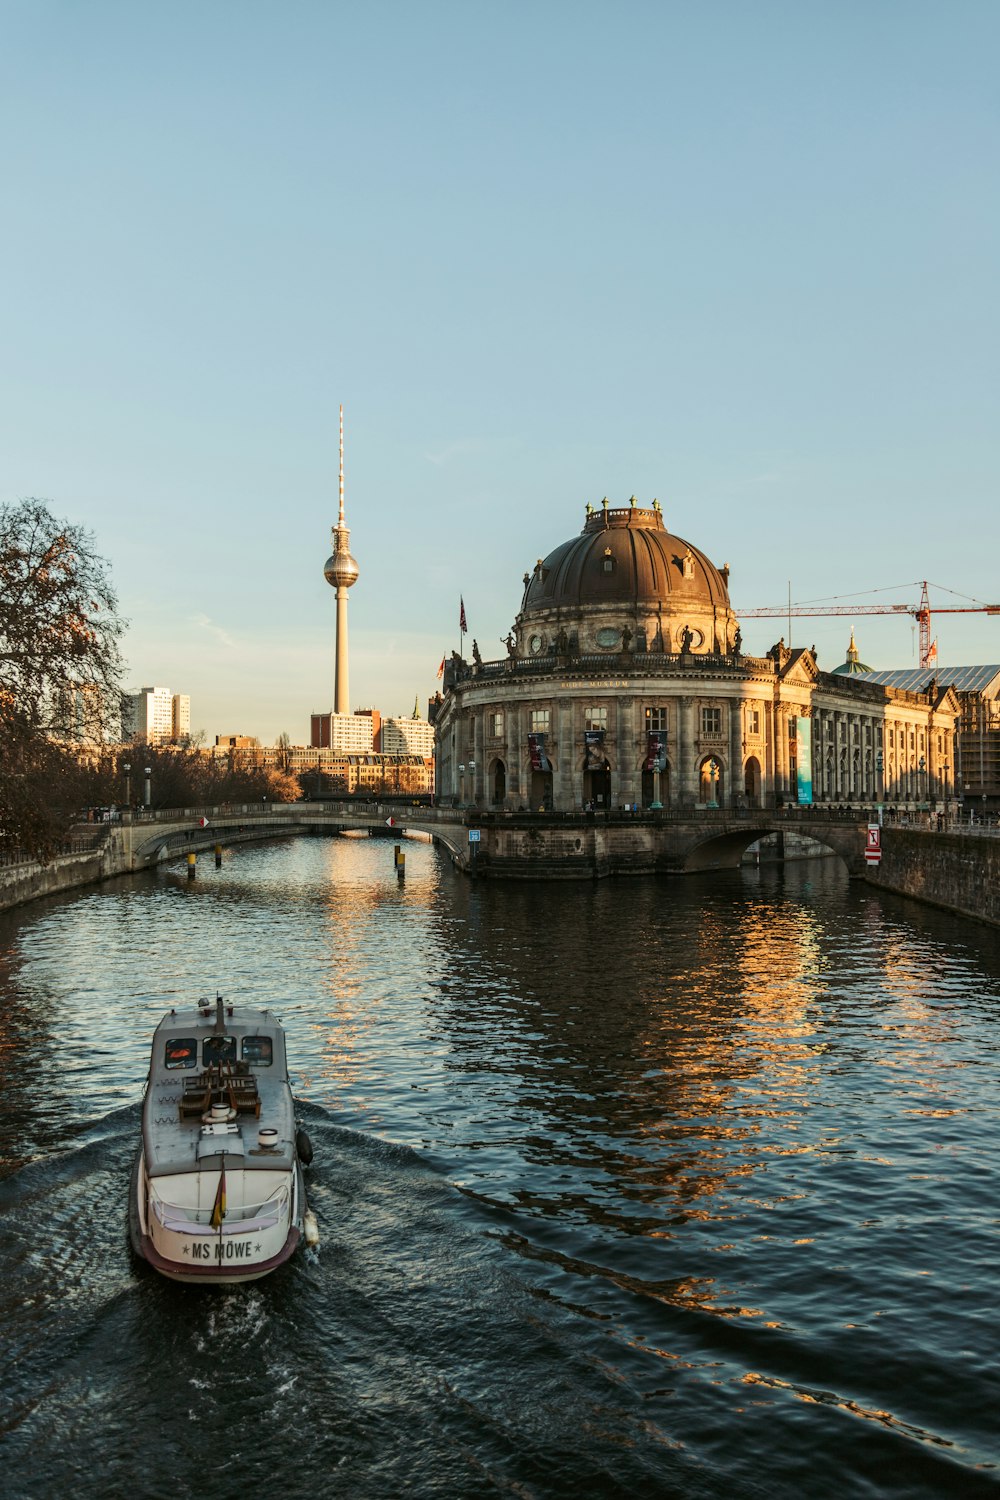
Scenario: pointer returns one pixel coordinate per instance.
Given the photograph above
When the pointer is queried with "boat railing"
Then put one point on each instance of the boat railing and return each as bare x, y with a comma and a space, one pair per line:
244, 1218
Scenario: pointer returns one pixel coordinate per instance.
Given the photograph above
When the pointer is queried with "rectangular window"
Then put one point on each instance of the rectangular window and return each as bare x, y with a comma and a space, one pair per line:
753, 720
258, 1051
181, 1052
595, 718
656, 720
496, 725
711, 721
539, 721
216, 1050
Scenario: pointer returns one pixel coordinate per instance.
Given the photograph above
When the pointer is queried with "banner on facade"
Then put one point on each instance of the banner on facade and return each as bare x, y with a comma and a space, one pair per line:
803, 760
537, 752
656, 750
594, 741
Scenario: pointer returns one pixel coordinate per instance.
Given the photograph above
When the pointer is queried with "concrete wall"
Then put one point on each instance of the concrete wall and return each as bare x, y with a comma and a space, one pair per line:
26, 882
958, 872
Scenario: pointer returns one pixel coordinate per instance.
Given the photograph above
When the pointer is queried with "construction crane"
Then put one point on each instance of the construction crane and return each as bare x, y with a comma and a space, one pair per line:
922, 615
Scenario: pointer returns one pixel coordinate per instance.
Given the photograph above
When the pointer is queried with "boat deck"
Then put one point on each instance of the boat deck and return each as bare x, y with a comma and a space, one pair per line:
210, 1091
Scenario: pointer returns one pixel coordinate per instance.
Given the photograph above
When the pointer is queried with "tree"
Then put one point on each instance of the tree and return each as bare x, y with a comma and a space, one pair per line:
60, 666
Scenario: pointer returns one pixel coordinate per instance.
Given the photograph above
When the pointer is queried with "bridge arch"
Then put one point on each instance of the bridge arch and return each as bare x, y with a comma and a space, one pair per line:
723, 848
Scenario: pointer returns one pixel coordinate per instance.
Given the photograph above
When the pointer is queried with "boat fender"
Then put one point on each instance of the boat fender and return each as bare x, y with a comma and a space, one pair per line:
303, 1147
310, 1228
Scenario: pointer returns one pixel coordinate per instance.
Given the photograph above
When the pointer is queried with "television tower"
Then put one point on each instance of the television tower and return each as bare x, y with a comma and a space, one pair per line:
340, 572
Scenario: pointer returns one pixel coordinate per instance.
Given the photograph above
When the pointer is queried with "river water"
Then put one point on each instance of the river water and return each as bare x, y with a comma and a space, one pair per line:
670, 1187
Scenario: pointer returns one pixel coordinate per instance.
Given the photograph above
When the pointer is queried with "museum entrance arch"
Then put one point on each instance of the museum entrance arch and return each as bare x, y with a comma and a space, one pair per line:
499, 784
597, 785
710, 783
656, 788
751, 781
541, 791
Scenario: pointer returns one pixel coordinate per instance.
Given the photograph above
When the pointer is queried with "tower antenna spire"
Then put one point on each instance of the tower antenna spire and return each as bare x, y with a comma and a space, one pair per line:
340, 519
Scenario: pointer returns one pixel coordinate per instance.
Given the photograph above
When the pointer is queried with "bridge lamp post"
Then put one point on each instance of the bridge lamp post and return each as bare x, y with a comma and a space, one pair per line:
127, 768
713, 775
945, 770
879, 781
461, 783
147, 795
922, 785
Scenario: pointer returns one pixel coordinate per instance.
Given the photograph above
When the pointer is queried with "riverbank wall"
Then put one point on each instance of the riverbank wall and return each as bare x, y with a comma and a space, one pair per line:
958, 872
28, 880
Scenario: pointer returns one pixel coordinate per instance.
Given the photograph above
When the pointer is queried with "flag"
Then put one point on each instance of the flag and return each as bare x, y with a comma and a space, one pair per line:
219, 1207
463, 624
932, 651
441, 668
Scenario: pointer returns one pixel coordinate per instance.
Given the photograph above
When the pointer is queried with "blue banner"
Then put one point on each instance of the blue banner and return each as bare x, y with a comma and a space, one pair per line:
803, 760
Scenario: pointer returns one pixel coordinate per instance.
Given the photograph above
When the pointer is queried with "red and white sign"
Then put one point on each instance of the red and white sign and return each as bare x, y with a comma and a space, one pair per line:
873, 847
202, 822
390, 822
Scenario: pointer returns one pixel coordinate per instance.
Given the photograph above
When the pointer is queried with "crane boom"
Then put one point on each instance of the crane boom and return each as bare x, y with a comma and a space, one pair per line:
922, 614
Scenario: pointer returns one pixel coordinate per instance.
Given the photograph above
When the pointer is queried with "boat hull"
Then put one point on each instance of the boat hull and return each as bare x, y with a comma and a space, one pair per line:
210, 1258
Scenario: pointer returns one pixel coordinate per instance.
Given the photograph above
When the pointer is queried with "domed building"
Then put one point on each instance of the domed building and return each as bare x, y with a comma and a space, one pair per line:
625, 686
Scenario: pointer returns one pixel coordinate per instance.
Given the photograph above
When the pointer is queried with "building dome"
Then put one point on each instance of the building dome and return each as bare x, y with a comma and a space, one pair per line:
626, 572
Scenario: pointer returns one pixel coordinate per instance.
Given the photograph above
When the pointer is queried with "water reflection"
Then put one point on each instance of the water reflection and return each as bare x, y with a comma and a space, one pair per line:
727, 1130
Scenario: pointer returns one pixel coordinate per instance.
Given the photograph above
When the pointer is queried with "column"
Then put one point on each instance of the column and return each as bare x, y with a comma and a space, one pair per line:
685, 752
625, 752
735, 774
564, 766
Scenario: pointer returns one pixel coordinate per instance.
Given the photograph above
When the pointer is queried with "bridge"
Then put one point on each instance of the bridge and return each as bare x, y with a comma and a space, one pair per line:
945, 863
576, 845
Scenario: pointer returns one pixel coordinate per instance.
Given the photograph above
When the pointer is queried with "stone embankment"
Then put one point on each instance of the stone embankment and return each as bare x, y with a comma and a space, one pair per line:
958, 871
27, 880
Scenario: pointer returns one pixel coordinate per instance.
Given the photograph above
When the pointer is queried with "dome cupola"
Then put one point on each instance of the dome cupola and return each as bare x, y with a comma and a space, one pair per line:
625, 577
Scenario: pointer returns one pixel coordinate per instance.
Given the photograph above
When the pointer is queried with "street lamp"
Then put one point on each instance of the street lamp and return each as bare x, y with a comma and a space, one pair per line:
148, 799
713, 773
922, 782
128, 784
945, 770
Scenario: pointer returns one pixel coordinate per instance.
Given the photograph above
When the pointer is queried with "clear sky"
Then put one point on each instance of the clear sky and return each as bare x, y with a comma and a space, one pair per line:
740, 256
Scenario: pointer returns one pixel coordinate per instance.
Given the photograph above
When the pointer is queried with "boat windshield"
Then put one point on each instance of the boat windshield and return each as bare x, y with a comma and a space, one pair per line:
218, 1049
258, 1050
180, 1052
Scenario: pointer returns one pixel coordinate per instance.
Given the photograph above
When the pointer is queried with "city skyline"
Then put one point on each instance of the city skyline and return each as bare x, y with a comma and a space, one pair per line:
742, 262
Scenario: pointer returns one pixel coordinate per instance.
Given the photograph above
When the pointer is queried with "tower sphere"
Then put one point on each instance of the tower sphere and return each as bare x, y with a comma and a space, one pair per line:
340, 570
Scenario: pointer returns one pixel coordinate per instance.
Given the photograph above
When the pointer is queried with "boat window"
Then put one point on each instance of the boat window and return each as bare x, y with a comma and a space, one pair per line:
258, 1050
218, 1049
181, 1052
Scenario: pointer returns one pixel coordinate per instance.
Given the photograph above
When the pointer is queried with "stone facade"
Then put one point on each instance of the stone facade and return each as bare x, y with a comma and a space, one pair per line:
628, 687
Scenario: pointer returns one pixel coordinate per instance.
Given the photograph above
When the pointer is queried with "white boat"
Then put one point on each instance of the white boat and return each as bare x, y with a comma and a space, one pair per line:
217, 1189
